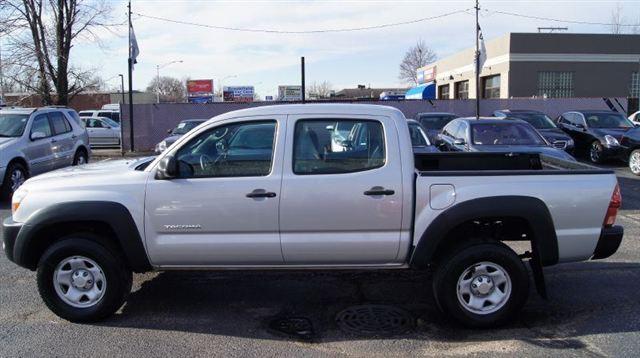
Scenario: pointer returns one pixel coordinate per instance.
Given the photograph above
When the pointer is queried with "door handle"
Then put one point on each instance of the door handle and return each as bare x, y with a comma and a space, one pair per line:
53, 140
261, 193
378, 190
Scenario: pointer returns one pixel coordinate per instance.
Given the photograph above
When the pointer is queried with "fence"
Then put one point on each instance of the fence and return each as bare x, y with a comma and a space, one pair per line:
151, 121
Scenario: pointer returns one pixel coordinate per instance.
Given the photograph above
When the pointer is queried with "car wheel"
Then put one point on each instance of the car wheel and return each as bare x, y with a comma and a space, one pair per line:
596, 152
80, 157
14, 177
634, 162
81, 280
482, 285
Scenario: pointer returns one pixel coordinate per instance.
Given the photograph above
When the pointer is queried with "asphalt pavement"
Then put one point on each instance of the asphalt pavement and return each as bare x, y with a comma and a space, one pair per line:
593, 310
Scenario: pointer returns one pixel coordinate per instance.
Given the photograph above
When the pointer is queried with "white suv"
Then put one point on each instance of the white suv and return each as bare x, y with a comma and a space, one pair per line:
37, 140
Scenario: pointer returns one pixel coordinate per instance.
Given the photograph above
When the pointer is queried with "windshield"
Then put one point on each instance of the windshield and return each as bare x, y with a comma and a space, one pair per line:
418, 137
185, 126
110, 122
12, 125
607, 120
435, 122
537, 120
505, 134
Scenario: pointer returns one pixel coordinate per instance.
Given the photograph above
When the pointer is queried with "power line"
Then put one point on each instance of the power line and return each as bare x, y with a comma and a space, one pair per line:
275, 31
558, 20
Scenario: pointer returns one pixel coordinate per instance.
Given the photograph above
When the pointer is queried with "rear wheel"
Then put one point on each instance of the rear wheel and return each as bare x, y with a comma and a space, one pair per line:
596, 152
634, 162
14, 177
81, 157
482, 285
81, 280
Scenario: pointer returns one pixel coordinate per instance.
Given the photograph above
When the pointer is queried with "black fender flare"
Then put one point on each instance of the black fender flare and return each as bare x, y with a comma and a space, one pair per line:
115, 215
544, 241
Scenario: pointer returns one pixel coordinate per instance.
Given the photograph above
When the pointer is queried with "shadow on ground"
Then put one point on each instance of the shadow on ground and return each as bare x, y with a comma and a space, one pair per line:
585, 299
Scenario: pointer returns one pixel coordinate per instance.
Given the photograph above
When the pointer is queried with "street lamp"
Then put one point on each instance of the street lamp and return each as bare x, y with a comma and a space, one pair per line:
158, 67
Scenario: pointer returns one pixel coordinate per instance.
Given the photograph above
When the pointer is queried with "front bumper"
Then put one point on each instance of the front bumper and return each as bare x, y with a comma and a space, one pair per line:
613, 152
10, 230
609, 242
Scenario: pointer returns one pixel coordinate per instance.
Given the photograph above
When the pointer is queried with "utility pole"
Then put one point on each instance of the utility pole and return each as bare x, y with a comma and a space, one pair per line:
302, 69
477, 61
130, 84
121, 107
157, 83
1, 76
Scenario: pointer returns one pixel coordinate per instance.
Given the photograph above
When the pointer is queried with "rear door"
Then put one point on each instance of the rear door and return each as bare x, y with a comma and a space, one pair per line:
99, 133
38, 151
62, 141
344, 206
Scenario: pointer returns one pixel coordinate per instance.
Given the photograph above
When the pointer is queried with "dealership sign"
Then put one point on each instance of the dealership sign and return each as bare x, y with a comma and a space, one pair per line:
238, 93
290, 93
426, 74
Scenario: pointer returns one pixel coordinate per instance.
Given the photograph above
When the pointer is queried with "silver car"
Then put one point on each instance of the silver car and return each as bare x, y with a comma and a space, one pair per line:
37, 140
103, 131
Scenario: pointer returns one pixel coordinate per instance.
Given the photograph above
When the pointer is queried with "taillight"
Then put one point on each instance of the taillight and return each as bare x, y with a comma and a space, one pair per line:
614, 205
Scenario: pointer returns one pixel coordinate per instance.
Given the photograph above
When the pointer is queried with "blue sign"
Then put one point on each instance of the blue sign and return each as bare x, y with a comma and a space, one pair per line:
201, 99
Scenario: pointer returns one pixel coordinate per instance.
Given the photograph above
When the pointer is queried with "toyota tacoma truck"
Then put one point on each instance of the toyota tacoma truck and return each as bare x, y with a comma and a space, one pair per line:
262, 188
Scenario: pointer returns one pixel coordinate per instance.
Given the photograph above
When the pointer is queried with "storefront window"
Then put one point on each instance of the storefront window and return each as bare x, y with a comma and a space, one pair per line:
462, 90
491, 87
443, 92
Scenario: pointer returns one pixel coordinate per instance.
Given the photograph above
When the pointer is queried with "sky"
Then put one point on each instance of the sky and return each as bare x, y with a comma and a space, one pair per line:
344, 59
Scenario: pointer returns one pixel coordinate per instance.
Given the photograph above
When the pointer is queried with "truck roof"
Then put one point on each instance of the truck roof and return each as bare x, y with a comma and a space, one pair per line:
314, 108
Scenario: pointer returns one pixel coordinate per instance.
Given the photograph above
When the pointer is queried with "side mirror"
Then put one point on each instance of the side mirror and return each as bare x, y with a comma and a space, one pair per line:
458, 141
169, 131
580, 126
167, 168
37, 135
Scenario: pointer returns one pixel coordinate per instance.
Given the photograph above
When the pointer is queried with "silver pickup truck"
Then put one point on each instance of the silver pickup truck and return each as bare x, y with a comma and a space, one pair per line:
272, 188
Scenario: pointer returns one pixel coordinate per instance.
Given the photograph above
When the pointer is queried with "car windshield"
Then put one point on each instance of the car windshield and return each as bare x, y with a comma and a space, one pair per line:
12, 125
418, 137
607, 120
435, 122
537, 120
185, 126
505, 134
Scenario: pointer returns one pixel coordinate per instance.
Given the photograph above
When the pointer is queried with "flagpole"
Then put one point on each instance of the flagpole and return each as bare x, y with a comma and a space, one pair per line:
477, 62
130, 62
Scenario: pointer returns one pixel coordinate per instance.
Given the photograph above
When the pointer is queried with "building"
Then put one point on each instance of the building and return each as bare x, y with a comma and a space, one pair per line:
551, 65
363, 92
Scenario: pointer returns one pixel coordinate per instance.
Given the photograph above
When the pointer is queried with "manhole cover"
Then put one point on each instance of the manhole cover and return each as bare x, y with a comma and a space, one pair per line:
297, 327
375, 320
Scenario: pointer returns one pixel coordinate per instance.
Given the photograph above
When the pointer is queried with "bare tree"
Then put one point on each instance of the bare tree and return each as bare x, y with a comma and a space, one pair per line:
40, 36
170, 89
320, 89
417, 56
616, 19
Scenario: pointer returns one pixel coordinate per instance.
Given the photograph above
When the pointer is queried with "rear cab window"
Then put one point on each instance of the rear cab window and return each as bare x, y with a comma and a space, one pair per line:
59, 123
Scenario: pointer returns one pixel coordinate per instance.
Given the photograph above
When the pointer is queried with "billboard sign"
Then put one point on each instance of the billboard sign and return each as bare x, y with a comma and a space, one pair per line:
200, 99
426, 74
290, 93
238, 93
196, 87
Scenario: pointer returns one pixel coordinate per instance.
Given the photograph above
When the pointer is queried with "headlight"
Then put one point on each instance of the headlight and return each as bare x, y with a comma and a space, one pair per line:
162, 146
570, 143
610, 141
17, 198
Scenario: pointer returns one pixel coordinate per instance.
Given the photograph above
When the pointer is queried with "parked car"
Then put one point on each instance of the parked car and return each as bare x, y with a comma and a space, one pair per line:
489, 134
377, 205
37, 140
433, 122
635, 118
596, 133
419, 139
631, 143
543, 124
103, 131
113, 114
181, 129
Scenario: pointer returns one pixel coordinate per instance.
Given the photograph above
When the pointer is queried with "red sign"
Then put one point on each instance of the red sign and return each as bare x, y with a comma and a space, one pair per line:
200, 86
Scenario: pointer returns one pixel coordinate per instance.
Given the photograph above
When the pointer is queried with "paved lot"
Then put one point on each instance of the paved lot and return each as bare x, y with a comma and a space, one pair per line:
594, 310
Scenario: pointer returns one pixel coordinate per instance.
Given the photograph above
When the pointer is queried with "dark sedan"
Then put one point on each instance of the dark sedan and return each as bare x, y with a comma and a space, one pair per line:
419, 139
543, 124
631, 143
495, 135
181, 129
596, 133
433, 122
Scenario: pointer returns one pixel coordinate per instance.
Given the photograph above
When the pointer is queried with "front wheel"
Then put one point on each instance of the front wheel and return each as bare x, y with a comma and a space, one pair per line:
596, 152
634, 162
482, 285
14, 177
81, 280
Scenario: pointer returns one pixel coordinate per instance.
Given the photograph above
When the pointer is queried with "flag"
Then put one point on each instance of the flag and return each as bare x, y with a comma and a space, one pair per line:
482, 55
134, 51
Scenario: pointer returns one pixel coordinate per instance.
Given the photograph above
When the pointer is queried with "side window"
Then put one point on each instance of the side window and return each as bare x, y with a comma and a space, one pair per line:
318, 150
41, 125
59, 123
234, 150
94, 123
461, 131
451, 129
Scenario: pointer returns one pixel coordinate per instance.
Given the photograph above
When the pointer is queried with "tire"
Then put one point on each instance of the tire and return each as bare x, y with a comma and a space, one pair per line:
596, 152
108, 291
634, 162
473, 264
15, 172
81, 157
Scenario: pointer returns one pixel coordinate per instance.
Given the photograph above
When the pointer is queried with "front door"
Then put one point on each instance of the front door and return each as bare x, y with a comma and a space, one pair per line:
63, 140
223, 208
344, 206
